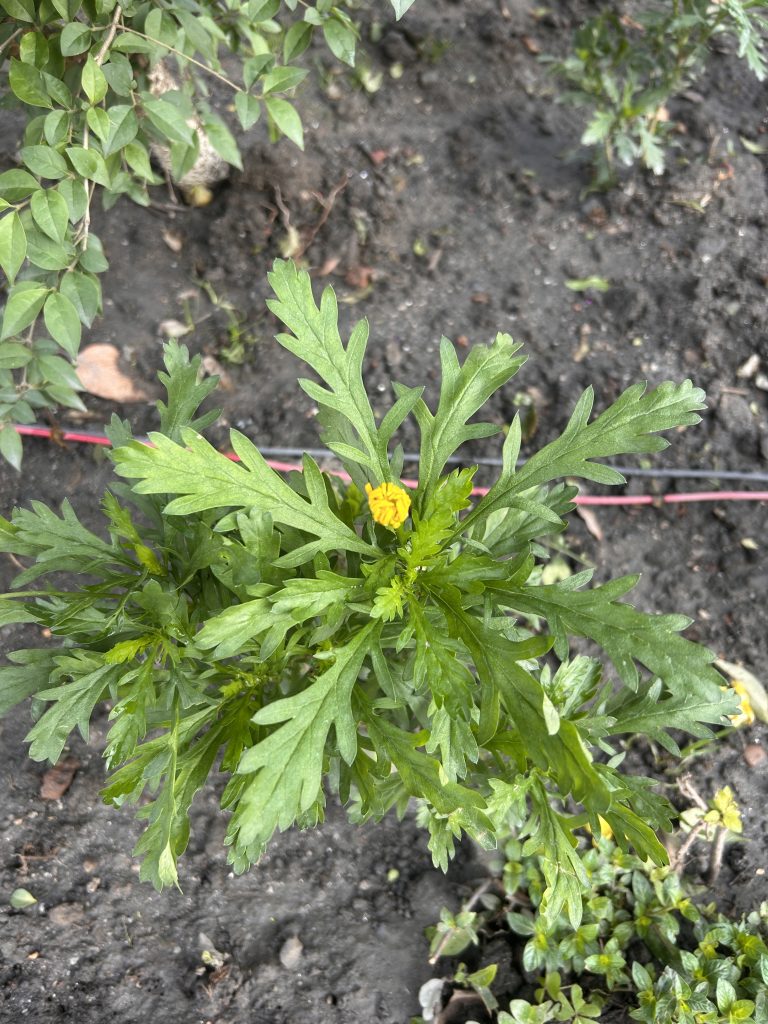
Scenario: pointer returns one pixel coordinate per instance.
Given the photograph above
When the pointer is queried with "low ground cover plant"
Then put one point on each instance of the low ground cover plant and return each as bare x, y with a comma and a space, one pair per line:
377, 639
112, 92
647, 947
624, 69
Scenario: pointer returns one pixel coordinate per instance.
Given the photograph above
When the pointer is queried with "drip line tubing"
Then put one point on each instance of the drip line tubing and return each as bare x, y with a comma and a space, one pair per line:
88, 437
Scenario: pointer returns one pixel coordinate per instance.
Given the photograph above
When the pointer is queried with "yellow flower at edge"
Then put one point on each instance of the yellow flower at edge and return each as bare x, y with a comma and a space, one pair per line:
389, 504
746, 715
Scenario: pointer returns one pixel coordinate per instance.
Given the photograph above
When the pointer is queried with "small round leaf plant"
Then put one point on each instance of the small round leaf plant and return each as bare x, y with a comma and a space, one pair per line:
374, 639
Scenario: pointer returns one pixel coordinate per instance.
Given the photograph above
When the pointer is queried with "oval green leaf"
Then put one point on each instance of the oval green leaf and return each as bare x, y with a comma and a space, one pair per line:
13, 245
24, 303
93, 81
17, 185
284, 116
75, 38
45, 162
62, 322
50, 213
10, 450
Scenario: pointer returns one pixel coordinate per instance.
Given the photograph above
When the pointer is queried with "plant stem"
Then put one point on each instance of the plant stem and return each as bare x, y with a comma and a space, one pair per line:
184, 56
111, 32
466, 907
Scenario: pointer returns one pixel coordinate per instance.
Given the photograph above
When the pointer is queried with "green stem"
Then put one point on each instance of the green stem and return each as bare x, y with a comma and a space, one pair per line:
184, 56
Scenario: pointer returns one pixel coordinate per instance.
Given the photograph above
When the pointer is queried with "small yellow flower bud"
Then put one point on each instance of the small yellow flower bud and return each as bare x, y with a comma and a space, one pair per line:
389, 504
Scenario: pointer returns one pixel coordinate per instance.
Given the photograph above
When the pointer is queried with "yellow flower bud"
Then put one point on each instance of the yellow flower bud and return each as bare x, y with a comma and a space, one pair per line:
389, 504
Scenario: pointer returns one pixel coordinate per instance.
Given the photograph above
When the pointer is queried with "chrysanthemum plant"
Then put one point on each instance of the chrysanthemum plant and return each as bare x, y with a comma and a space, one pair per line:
376, 640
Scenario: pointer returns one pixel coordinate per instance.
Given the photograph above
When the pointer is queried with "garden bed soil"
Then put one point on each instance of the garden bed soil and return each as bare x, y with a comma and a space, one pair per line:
444, 203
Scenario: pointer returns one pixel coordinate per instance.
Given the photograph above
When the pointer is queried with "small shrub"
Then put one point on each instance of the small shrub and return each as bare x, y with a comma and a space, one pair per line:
644, 946
395, 641
624, 70
105, 86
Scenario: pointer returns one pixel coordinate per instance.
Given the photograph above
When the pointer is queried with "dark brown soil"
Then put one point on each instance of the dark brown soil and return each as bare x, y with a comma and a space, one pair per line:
459, 215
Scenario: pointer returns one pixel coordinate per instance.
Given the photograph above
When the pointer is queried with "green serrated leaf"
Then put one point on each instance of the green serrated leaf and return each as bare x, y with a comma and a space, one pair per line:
205, 479
627, 636
287, 765
630, 425
79, 681
346, 411
561, 864
186, 389
464, 389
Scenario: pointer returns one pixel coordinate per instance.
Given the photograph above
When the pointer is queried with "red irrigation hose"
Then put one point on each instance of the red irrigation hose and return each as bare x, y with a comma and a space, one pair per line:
580, 499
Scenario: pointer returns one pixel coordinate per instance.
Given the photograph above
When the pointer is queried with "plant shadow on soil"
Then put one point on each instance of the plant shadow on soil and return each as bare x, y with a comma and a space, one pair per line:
458, 215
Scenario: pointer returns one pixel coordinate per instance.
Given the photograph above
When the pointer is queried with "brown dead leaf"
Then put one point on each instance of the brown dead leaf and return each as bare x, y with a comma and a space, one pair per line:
590, 521
173, 240
359, 277
530, 44
583, 348
328, 266
58, 779
173, 329
213, 368
100, 374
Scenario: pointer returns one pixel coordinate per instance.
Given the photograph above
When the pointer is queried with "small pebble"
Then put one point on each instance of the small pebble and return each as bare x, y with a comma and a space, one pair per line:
754, 754
290, 954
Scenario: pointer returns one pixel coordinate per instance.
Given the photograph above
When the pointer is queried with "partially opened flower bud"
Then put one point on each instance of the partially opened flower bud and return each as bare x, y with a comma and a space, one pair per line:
389, 504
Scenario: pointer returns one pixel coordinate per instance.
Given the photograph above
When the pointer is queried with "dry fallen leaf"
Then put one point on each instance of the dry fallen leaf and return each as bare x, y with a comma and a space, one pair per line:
213, 368
359, 277
328, 267
758, 698
590, 521
58, 779
173, 329
100, 374
173, 240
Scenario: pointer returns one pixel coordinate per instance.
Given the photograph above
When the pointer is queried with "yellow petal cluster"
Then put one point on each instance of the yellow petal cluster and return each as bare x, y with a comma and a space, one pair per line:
746, 715
389, 504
